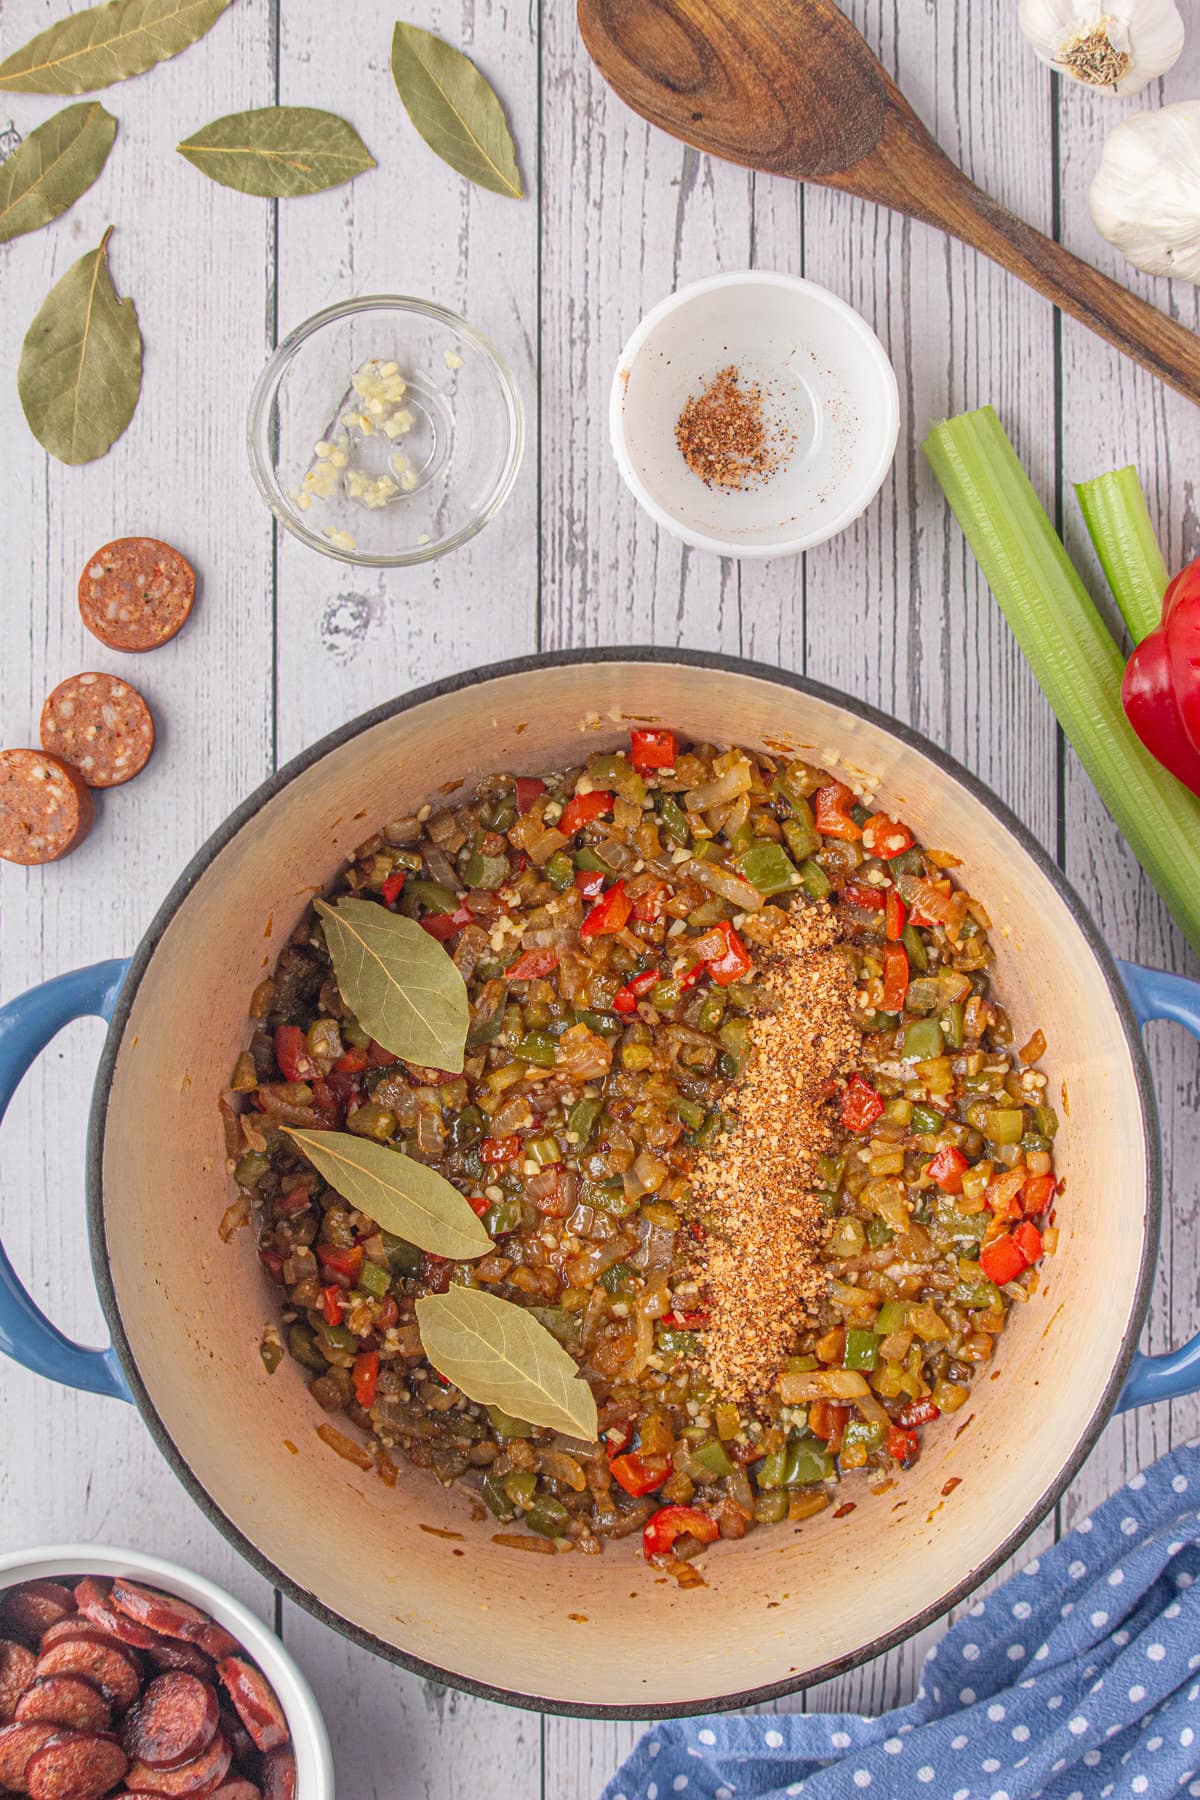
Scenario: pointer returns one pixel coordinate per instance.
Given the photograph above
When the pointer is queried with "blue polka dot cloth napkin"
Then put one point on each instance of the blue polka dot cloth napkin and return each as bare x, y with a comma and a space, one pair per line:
1076, 1680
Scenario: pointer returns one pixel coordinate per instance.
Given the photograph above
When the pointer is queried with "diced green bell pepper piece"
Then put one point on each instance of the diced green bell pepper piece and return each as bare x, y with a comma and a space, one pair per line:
1004, 1125
375, 1280
735, 1041
878, 1233
587, 860
619, 1279
521, 1487
859, 1431
672, 1338
480, 871
303, 1347
767, 867
427, 896
713, 1125
925, 1121
914, 943
404, 1258
674, 819
581, 1122
712, 1010
892, 1316
713, 1459
977, 1295
251, 1168
560, 871
922, 1041
1046, 1120
536, 1047
506, 1425
543, 1151
690, 1113
817, 884
806, 1460
495, 1498
502, 1216
862, 1349
952, 1026
547, 1516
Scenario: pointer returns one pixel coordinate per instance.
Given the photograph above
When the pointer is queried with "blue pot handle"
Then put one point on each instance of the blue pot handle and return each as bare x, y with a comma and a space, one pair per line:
1159, 995
27, 1025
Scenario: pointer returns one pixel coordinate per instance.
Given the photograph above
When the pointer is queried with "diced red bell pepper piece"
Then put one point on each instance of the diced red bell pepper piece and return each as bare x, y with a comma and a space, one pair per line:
903, 1445
625, 999
861, 1105
652, 750
857, 893
671, 1522
918, 1412
393, 887
885, 837
610, 913
325, 1100
345, 1260
582, 808
649, 906
528, 789
687, 1321
590, 883
445, 925
1002, 1260
352, 1061
1028, 1240
832, 812
272, 1262
291, 1053
895, 978
378, 1057
618, 1436
532, 965
734, 961
499, 1150
332, 1305
947, 1169
640, 1475
294, 1201
478, 1204
1037, 1193
366, 1378
895, 914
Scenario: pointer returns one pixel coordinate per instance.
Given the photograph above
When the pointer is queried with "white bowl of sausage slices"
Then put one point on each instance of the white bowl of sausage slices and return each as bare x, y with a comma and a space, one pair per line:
122, 1675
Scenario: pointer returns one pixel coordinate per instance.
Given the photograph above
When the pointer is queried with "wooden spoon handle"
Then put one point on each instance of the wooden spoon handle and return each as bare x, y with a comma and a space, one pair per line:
909, 172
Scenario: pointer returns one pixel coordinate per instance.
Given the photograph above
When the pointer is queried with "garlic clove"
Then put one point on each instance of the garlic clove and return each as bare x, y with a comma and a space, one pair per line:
1118, 49
1145, 198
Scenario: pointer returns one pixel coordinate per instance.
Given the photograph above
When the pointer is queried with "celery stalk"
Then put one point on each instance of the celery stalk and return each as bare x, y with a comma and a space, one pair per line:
1069, 649
1118, 521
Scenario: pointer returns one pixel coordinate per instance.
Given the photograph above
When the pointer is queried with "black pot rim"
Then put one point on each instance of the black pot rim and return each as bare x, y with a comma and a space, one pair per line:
733, 665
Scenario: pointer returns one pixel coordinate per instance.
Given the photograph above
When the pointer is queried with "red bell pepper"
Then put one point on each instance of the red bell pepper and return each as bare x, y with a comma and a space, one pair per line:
671, 1522
478, 1204
590, 883
581, 808
857, 893
1037, 1193
640, 1475
652, 750
918, 1412
343, 1260
886, 837
734, 961
1161, 689
610, 913
296, 1200
861, 1105
352, 1061
1028, 1240
1002, 1260
332, 1305
366, 1378
532, 965
528, 789
649, 906
686, 1321
895, 978
903, 1445
393, 887
618, 1436
499, 1150
895, 915
947, 1169
625, 999
291, 1053
444, 925
832, 812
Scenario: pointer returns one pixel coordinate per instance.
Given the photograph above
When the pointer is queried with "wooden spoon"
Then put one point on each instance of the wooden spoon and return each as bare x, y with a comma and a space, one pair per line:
790, 87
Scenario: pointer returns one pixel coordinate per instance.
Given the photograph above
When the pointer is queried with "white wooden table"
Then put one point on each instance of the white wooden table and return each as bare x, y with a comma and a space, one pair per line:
284, 644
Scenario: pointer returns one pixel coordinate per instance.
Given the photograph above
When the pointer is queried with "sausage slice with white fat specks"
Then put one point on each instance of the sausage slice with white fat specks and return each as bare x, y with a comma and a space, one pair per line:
136, 593
101, 726
45, 807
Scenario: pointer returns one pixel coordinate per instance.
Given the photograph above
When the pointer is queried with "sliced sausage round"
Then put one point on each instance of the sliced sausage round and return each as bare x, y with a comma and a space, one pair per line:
66, 1700
45, 807
16, 1674
92, 1598
254, 1702
17, 1744
174, 1721
75, 1765
101, 726
237, 1789
173, 1653
108, 1665
78, 1625
245, 1756
171, 1617
279, 1776
34, 1606
136, 593
192, 1779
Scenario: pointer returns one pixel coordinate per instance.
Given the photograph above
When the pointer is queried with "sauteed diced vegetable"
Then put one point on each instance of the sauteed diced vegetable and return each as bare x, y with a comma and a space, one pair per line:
615, 925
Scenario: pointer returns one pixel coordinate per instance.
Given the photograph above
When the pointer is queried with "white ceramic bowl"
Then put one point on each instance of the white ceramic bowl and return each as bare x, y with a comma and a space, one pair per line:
310, 1741
828, 387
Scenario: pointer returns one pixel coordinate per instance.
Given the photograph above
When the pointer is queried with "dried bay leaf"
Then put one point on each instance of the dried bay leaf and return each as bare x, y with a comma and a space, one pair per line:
454, 109
499, 1355
404, 1197
399, 982
279, 152
80, 371
107, 43
55, 165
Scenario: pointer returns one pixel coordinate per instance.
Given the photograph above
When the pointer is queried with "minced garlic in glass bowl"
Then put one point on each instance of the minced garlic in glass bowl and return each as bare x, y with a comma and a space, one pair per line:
385, 431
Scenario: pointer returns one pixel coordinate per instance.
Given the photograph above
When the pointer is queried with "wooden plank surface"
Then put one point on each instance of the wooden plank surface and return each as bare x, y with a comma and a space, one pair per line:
285, 645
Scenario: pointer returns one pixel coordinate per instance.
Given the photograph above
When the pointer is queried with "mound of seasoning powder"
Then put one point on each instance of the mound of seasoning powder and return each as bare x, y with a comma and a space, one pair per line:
762, 1258
722, 434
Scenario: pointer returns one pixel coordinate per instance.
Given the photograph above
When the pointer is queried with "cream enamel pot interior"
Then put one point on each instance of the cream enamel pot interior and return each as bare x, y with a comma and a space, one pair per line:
594, 1635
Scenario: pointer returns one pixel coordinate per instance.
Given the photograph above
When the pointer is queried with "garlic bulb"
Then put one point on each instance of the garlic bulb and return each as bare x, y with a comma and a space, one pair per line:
1119, 47
1145, 198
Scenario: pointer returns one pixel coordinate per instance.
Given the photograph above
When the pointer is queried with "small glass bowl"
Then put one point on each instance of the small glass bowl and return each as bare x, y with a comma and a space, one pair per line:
461, 454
